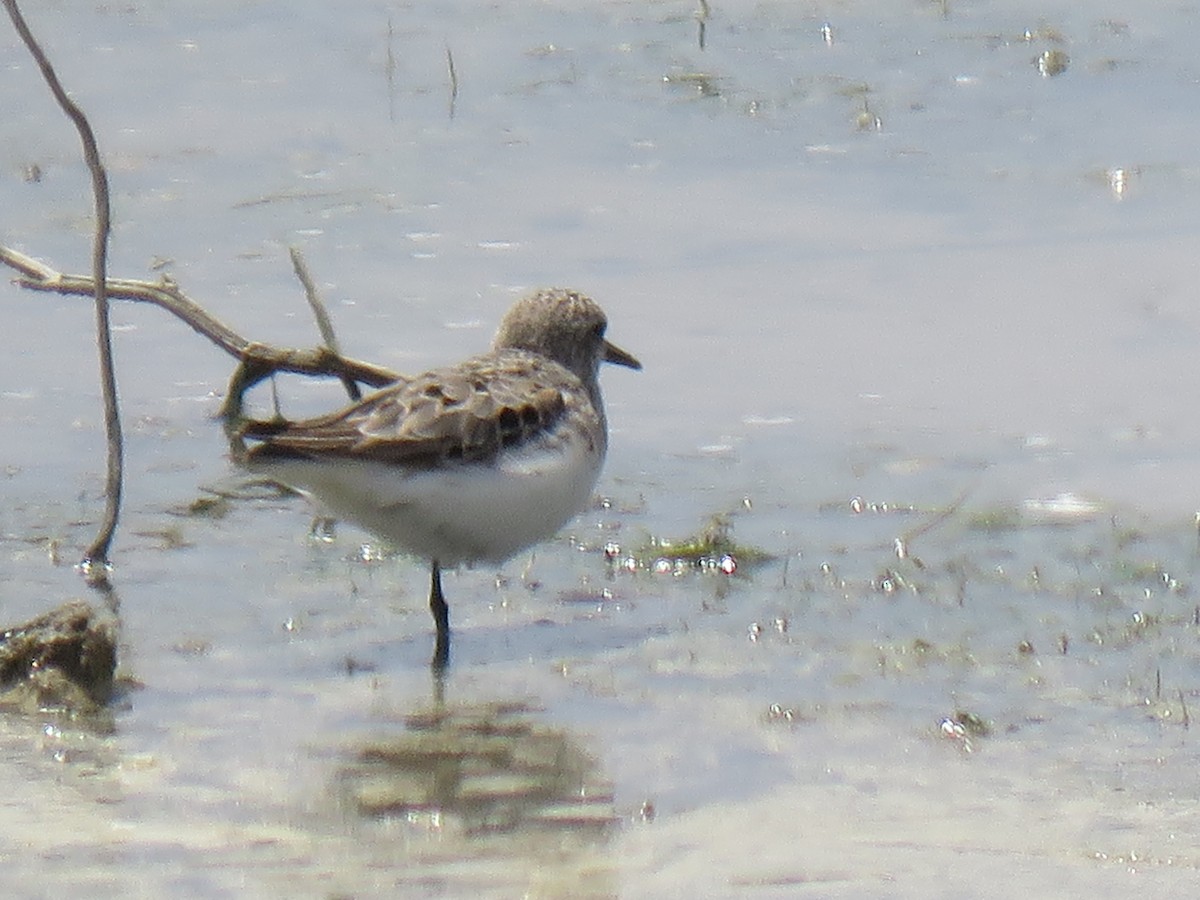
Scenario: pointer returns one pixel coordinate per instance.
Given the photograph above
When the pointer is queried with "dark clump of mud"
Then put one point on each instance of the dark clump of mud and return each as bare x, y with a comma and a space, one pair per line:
63, 661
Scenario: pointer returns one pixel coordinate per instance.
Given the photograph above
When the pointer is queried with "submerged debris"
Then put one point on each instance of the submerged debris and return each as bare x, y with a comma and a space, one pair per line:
867, 119
964, 728
61, 661
1052, 62
1061, 509
1006, 518
972, 723
704, 84
208, 506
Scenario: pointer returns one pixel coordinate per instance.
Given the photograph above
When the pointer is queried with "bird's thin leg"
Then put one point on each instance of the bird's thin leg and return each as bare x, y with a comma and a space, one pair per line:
441, 619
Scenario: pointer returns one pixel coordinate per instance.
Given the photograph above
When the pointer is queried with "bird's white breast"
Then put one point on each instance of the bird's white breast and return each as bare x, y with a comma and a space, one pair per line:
460, 511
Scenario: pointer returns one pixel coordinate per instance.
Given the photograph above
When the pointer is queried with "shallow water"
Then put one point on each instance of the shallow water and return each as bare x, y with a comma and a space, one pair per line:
889, 261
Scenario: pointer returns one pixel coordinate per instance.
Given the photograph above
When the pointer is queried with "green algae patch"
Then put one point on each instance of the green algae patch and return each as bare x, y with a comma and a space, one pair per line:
711, 550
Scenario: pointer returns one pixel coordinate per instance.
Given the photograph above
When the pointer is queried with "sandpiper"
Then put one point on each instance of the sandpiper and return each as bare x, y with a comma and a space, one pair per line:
473, 462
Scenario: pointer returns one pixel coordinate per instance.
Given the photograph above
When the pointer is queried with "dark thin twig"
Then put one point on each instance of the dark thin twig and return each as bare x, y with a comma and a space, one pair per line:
937, 519
95, 561
390, 70
453, 80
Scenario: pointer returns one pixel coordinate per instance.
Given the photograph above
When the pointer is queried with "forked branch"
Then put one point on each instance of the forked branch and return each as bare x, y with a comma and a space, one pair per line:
256, 361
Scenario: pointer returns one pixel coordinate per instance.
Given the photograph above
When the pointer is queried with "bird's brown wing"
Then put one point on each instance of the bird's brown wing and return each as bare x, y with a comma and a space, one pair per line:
470, 411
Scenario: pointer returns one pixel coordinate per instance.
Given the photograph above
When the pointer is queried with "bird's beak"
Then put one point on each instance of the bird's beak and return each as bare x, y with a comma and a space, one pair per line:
614, 354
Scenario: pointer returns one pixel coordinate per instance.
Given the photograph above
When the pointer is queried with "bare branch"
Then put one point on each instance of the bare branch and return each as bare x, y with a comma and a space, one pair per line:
40, 277
321, 314
95, 562
257, 361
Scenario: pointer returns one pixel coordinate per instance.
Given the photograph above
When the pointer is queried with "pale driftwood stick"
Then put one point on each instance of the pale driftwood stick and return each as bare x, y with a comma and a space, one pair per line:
315, 303
40, 277
95, 562
321, 314
256, 361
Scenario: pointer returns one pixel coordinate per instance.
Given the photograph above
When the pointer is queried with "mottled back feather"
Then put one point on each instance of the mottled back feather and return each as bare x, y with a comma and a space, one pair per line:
470, 412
